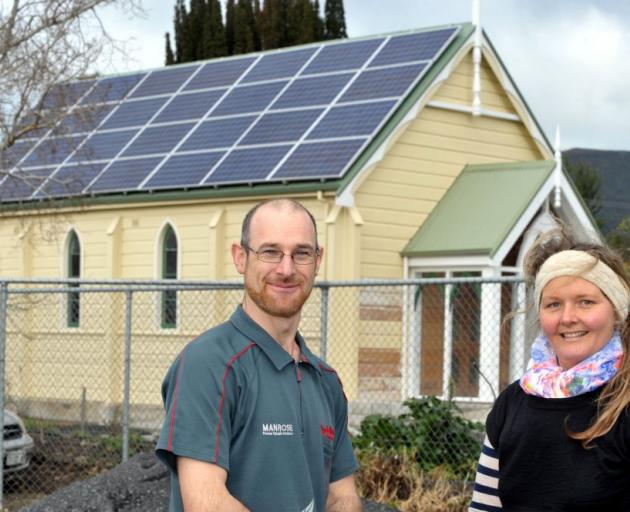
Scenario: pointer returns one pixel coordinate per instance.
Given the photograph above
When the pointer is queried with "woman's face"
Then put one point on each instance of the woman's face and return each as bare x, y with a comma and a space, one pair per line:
576, 317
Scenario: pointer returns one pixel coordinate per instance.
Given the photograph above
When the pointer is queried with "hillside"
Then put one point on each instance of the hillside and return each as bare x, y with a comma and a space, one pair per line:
614, 171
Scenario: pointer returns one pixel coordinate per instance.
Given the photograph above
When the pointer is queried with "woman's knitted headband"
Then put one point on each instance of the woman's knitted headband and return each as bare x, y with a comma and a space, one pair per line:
586, 266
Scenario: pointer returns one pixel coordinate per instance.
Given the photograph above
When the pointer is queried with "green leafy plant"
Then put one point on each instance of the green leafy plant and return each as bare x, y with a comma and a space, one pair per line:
433, 430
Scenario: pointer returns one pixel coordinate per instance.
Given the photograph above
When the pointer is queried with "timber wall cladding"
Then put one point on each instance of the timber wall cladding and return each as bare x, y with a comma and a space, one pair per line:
421, 165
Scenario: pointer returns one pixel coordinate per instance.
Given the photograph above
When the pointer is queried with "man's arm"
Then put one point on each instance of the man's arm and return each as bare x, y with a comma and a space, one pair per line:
343, 497
203, 487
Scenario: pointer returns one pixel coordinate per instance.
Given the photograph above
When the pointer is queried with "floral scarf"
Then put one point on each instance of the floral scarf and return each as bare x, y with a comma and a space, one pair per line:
545, 378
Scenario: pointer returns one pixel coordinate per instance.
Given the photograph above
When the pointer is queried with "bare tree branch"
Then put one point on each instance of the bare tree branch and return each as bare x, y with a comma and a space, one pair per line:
47, 53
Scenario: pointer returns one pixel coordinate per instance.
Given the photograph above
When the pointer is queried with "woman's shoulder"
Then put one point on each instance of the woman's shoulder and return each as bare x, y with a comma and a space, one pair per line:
503, 406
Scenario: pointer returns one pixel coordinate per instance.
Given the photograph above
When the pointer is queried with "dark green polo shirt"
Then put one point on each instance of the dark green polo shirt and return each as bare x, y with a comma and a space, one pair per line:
234, 397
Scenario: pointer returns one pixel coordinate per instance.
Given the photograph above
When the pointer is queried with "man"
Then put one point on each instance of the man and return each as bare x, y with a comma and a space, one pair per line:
254, 421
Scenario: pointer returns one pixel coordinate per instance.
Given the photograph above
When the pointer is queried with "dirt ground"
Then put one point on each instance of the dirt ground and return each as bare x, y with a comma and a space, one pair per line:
62, 455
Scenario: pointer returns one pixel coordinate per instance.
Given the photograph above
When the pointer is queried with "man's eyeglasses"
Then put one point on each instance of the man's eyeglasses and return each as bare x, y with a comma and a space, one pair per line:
303, 256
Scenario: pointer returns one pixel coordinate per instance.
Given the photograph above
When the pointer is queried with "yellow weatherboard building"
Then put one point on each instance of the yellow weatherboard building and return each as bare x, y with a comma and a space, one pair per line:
454, 178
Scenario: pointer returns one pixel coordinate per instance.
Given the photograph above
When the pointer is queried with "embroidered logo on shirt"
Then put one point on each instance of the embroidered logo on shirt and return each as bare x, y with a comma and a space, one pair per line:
328, 432
277, 429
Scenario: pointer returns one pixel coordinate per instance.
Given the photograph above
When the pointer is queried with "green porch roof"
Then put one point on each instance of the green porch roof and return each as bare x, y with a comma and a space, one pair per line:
479, 209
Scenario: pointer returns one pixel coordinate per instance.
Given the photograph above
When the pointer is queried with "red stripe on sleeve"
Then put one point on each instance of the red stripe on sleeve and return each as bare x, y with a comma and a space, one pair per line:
169, 444
330, 370
225, 375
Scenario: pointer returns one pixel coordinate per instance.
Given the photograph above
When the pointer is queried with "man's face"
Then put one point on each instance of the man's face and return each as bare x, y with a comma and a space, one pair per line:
278, 289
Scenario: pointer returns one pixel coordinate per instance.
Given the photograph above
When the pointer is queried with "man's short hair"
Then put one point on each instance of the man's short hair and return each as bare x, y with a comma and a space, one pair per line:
296, 206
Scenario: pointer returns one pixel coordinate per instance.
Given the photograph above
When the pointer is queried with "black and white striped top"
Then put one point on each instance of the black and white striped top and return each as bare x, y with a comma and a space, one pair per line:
486, 491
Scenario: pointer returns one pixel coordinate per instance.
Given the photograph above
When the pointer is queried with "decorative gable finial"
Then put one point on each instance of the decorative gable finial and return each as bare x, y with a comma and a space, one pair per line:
476, 17
557, 197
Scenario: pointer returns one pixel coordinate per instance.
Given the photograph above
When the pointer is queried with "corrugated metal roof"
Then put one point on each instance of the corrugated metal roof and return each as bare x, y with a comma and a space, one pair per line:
479, 210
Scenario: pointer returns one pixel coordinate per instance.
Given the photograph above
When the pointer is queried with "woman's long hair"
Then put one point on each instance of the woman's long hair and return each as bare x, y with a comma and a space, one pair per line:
615, 396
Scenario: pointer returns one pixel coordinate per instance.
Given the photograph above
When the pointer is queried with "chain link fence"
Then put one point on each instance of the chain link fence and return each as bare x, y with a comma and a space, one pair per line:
84, 361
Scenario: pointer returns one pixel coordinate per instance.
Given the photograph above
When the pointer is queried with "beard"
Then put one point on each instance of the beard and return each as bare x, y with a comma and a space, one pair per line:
285, 307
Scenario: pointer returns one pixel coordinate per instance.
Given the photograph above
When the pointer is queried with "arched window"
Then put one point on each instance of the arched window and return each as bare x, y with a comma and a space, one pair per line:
169, 271
73, 271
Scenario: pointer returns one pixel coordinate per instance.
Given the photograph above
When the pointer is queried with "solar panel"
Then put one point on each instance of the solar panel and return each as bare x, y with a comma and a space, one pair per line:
83, 119
65, 95
217, 133
189, 106
124, 174
413, 47
302, 113
317, 90
322, 159
182, 170
103, 145
112, 89
22, 184
52, 151
248, 99
342, 56
248, 165
219, 74
158, 139
70, 180
278, 65
164, 81
351, 120
134, 113
382, 83
282, 126
14, 153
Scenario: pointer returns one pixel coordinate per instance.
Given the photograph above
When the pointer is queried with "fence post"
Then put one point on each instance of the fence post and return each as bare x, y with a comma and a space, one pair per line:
125, 433
448, 342
323, 341
4, 295
518, 360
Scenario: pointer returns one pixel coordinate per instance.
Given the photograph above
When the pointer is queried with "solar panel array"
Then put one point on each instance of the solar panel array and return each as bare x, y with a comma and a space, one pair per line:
283, 116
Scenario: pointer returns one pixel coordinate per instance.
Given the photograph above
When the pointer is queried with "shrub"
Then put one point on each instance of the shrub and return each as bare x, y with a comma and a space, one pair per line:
433, 432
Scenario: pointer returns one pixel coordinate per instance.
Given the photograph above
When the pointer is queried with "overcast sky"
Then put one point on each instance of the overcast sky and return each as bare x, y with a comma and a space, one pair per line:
569, 58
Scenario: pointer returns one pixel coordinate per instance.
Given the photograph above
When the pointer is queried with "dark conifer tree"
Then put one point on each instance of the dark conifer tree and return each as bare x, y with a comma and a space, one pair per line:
300, 26
243, 24
170, 58
214, 42
199, 32
318, 23
179, 23
257, 26
335, 20
230, 14
196, 29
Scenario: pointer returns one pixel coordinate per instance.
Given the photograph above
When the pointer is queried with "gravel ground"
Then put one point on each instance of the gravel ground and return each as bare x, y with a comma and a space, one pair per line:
140, 485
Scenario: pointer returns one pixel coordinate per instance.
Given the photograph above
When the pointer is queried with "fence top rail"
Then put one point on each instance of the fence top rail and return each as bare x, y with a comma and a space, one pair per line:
146, 285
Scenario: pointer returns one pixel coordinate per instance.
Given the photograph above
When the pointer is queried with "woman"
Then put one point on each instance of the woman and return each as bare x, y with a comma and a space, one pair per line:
559, 438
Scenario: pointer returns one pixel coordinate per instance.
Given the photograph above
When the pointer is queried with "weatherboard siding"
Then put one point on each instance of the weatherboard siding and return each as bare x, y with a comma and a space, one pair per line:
417, 170
402, 190
458, 87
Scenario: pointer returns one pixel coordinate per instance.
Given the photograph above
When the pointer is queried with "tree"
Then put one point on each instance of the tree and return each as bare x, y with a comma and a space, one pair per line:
335, 19
301, 26
179, 22
244, 28
319, 29
619, 238
45, 47
170, 58
274, 18
588, 183
249, 26
214, 42
230, 20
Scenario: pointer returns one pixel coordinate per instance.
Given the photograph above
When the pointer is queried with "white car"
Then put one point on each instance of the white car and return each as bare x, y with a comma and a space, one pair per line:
18, 445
